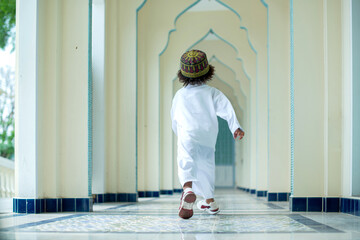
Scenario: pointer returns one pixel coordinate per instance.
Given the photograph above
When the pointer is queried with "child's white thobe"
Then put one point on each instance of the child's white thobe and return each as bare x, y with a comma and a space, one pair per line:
194, 120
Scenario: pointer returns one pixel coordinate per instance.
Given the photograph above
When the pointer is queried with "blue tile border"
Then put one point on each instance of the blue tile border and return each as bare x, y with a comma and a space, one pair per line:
271, 196
115, 197
314, 204
357, 208
51, 205
298, 204
68, 205
149, 194
278, 197
325, 204
48, 205
350, 206
166, 192
177, 190
331, 204
110, 197
261, 193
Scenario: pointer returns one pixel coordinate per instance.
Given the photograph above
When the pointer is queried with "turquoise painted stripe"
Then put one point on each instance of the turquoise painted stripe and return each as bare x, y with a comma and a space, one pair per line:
174, 29
90, 102
292, 92
220, 2
268, 81
211, 31
241, 27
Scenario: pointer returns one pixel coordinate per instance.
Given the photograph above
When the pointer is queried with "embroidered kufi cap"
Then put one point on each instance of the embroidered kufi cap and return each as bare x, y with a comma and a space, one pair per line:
194, 64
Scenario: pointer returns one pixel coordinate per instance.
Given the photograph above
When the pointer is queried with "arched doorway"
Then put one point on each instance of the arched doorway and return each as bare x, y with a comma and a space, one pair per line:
224, 156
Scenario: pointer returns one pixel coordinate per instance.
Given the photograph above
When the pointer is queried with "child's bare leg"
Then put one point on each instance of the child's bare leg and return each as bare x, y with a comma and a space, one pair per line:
187, 185
208, 201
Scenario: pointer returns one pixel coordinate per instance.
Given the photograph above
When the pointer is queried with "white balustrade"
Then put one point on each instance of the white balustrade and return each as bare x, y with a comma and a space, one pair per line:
7, 178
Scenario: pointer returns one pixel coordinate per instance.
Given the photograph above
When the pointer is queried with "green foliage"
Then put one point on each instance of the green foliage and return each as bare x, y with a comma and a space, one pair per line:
7, 22
7, 112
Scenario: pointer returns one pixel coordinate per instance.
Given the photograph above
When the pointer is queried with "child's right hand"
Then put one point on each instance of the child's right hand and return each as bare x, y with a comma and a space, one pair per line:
238, 133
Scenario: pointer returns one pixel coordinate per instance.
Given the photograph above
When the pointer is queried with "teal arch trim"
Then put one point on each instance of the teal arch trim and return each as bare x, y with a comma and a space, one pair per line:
90, 101
174, 29
220, 2
257, 83
140, 7
214, 58
250, 94
241, 27
238, 58
249, 41
211, 31
268, 80
292, 93
136, 94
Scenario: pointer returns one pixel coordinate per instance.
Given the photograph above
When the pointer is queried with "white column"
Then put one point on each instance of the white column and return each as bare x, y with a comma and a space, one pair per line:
120, 96
279, 94
333, 97
52, 99
26, 172
346, 155
98, 70
308, 99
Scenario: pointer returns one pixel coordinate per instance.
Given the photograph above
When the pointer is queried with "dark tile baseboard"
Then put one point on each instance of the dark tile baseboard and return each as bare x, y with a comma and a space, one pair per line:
177, 190
252, 191
325, 204
261, 193
149, 194
115, 197
47, 205
350, 206
278, 196
166, 192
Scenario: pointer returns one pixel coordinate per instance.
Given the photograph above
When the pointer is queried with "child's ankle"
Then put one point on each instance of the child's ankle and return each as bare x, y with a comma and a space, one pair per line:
210, 200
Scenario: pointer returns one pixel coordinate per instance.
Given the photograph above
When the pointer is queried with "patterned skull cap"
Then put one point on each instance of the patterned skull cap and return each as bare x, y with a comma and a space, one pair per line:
194, 64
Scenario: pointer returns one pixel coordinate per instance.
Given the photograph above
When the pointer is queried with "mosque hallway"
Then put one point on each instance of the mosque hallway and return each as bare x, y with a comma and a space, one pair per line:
95, 154
242, 216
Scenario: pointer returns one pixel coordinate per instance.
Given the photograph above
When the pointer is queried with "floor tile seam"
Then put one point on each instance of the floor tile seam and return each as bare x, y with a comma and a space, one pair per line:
317, 226
33, 224
164, 233
223, 212
162, 214
13, 215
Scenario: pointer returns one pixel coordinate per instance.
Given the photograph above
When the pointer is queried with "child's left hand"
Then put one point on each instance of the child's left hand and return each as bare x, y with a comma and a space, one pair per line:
238, 133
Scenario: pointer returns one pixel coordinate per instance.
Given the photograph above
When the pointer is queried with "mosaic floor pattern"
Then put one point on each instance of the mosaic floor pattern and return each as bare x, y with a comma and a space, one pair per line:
172, 224
156, 218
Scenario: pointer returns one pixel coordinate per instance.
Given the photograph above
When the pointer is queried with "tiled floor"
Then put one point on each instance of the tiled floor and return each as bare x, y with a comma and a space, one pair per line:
242, 216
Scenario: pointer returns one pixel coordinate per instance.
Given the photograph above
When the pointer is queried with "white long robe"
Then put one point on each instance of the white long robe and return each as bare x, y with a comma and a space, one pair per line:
194, 120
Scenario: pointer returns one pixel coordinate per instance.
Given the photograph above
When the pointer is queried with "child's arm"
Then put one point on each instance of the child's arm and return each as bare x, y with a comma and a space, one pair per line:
225, 110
